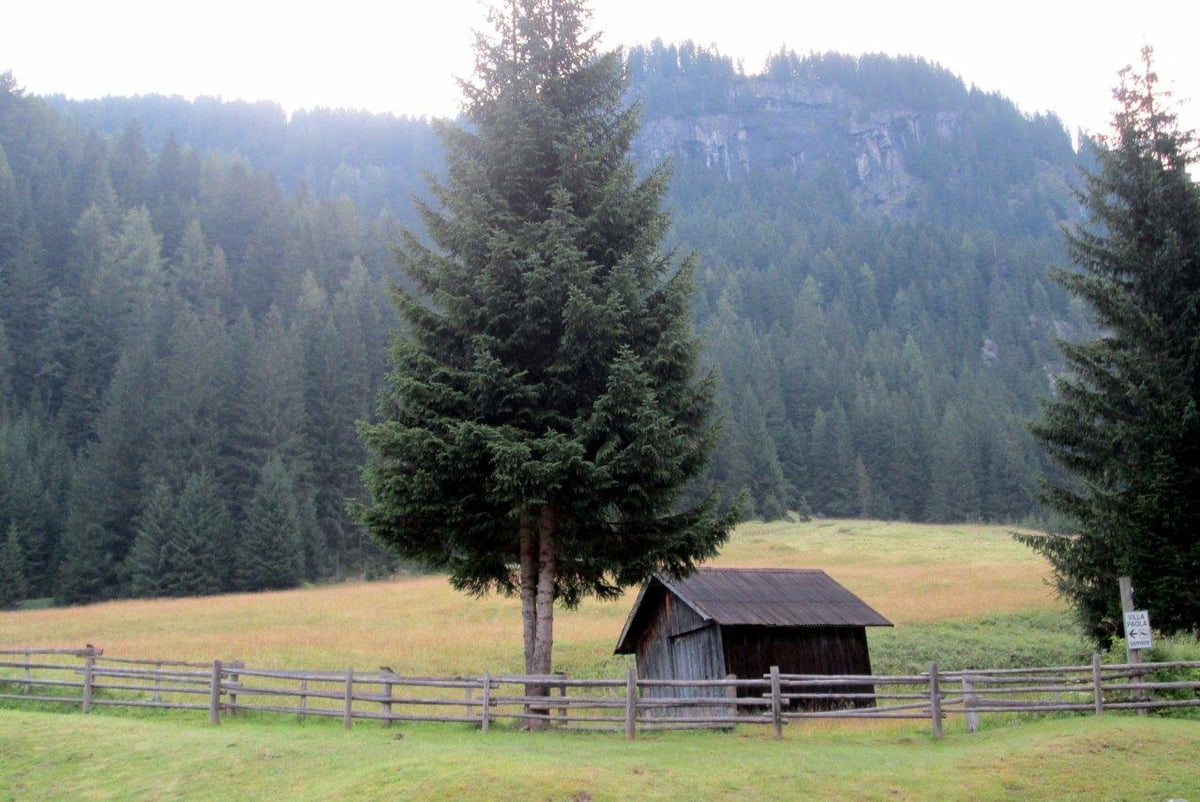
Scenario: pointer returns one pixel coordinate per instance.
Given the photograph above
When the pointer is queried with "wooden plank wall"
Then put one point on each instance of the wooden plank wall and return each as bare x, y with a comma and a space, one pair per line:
751, 651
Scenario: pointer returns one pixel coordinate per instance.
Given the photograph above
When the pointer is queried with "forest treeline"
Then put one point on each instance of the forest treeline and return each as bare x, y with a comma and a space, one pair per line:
194, 310
185, 350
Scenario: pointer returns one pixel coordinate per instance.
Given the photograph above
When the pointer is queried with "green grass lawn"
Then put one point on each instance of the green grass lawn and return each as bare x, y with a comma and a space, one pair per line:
50, 756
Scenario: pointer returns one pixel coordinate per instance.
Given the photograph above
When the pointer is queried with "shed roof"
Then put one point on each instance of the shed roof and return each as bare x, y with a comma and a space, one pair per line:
771, 597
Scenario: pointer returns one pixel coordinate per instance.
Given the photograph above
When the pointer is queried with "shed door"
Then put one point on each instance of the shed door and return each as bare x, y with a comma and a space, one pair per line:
697, 654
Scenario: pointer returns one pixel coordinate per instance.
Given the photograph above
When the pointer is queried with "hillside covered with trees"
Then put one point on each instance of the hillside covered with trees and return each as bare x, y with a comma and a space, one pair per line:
194, 310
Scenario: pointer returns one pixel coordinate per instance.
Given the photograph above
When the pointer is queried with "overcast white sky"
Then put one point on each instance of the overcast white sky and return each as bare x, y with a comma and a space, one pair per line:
1052, 55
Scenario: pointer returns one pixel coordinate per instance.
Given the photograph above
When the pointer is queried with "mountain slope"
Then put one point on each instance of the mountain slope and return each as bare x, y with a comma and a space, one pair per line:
872, 235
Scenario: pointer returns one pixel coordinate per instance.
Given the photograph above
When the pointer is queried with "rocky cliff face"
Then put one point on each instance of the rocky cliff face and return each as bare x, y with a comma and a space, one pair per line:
721, 142
798, 125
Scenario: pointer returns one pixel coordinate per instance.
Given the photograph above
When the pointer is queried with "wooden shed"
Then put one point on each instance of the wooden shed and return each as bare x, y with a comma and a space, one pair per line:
742, 621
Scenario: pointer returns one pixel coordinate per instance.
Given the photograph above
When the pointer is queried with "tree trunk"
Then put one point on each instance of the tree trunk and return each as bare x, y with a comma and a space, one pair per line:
528, 583
547, 571
539, 551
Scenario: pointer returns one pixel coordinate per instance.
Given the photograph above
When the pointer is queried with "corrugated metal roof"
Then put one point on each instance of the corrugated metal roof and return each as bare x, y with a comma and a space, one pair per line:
772, 597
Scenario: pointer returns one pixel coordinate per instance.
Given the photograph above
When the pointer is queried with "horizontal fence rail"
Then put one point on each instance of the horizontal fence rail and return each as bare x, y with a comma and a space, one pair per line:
87, 678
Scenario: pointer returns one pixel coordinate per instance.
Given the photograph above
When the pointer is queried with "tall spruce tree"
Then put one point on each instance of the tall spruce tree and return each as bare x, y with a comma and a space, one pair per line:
13, 587
270, 554
144, 563
543, 412
1125, 423
195, 555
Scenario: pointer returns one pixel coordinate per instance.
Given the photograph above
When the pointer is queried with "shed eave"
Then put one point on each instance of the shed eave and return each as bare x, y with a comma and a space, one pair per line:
623, 647
626, 641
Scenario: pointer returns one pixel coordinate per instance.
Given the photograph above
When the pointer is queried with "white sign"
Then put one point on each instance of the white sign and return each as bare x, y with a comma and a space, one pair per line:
1137, 630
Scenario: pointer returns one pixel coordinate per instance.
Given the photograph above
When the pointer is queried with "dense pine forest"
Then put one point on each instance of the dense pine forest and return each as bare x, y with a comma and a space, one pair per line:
194, 310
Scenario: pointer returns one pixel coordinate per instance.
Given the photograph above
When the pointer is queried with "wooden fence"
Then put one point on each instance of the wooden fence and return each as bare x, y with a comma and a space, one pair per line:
87, 678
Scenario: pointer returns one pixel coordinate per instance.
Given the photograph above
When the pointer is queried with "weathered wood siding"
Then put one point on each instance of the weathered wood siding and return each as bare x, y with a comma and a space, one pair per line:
677, 643
741, 622
751, 651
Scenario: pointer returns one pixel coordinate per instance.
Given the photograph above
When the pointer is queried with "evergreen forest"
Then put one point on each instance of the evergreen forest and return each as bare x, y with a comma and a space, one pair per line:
195, 310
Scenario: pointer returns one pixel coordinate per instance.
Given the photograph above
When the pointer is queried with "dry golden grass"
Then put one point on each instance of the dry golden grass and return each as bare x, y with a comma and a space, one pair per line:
910, 573
418, 625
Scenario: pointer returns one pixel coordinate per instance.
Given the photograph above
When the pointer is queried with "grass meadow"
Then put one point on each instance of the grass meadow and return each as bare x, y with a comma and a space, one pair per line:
967, 596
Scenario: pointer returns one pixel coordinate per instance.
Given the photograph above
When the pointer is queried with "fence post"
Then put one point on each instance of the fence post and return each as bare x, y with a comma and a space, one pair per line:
731, 693
234, 677
935, 699
1133, 657
214, 698
776, 702
28, 672
88, 666
969, 701
631, 704
485, 717
303, 698
1097, 686
347, 713
387, 702
157, 695
562, 692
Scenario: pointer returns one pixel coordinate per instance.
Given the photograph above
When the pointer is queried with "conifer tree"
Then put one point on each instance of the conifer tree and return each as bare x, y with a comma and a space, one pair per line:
195, 559
130, 168
13, 586
543, 413
107, 486
34, 475
144, 564
10, 209
954, 486
270, 551
6, 364
1125, 423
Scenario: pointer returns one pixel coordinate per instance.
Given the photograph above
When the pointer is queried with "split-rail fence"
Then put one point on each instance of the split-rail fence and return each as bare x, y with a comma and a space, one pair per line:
87, 678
